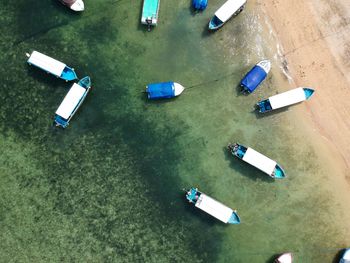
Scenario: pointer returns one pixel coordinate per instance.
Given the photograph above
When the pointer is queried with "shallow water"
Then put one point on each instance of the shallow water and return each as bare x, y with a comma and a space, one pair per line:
110, 187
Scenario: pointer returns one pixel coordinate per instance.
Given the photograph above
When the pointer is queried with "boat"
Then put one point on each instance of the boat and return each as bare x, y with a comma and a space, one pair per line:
164, 90
257, 160
72, 102
212, 207
51, 65
225, 12
284, 99
200, 4
150, 11
284, 258
345, 257
255, 76
75, 5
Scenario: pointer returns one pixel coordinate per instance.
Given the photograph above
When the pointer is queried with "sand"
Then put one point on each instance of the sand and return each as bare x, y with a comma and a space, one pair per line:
315, 51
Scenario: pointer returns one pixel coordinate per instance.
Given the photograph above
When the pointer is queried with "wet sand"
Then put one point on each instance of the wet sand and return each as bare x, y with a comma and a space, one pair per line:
315, 51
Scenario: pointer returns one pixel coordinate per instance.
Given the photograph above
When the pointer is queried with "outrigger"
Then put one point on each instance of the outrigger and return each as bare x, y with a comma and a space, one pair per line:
51, 65
258, 160
212, 207
72, 102
150, 11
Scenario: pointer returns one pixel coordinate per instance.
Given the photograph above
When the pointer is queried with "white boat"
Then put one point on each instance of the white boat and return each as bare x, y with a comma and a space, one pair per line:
51, 65
75, 5
225, 12
285, 99
72, 102
346, 256
212, 207
258, 160
285, 258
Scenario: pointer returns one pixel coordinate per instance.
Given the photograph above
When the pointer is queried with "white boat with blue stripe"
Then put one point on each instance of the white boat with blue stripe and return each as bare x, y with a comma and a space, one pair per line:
258, 160
150, 10
72, 102
225, 12
285, 99
51, 65
212, 207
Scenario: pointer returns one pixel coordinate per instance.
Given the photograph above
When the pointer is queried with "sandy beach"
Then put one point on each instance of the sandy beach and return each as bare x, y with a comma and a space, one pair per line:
315, 50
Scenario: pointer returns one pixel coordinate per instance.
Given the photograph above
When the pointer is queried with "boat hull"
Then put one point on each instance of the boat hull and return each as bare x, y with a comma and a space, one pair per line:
258, 160
164, 90
252, 80
228, 10
150, 10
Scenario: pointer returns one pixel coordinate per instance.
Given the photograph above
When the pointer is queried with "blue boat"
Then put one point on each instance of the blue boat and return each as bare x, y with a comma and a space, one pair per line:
51, 66
199, 4
285, 99
229, 9
346, 256
255, 76
72, 102
212, 207
164, 90
150, 11
257, 160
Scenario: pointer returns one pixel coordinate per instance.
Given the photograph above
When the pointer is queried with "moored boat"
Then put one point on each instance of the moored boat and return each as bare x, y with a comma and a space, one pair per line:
199, 4
255, 76
149, 14
284, 258
346, 256
72, 102
164, 90
212, 207
51, 65
285, 99
225, 12
75, 5
257, 160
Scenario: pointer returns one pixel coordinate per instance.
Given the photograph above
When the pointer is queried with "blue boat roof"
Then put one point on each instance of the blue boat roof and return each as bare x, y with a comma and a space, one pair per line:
162, 90
200, 4
253, 78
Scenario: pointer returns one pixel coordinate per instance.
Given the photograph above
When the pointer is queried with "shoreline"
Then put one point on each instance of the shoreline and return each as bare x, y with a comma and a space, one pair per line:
313, 50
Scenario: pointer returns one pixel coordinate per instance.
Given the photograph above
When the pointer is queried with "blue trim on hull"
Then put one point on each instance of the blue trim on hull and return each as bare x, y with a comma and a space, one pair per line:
85, 83
68, 74
308, 92
234, 219
215, 23
264, 106
278, 173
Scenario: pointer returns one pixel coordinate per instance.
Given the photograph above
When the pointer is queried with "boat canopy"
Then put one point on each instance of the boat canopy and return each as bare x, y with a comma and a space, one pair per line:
200, 4
70, 101
287, 98
161, 90
253, 78
260, 161
46, 63
346, 257
214, 208
228, 9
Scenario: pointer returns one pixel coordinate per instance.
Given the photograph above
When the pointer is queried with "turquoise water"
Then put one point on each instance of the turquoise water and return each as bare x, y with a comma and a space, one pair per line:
109, 188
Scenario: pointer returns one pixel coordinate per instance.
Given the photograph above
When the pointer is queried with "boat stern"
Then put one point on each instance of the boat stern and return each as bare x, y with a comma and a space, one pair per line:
60, 122
264, 106
192, 195
215, 23
78, 6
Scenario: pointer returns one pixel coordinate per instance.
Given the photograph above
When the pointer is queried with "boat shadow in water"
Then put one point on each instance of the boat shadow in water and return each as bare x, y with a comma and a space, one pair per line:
338, 256
259, 115
245, 168
146, 100
199, 214
48, 79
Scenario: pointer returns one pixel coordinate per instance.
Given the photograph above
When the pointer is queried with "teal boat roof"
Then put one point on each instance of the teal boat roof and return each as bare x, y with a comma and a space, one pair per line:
150, 8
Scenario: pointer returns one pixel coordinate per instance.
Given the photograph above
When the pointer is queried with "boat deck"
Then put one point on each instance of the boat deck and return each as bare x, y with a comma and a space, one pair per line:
150, 12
